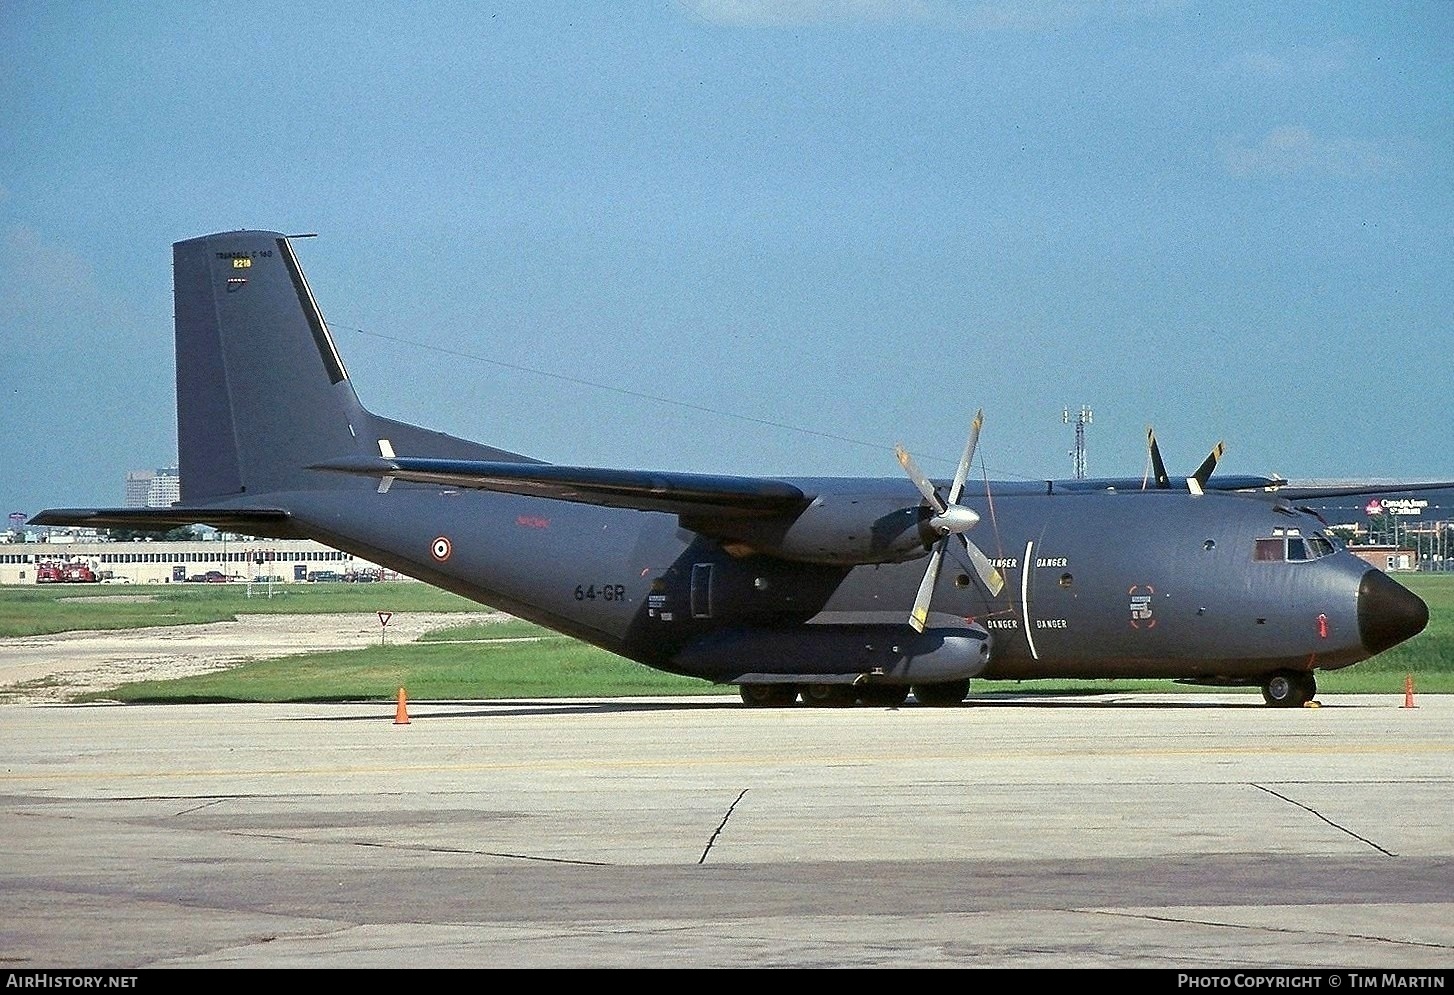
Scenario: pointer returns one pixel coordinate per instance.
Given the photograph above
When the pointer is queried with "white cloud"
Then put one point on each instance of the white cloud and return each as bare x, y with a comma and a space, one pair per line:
38, 278
1295, 149
1298, 63
44, 267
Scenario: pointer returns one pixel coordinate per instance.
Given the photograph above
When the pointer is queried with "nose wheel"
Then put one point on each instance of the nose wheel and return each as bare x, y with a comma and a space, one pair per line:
1290, 689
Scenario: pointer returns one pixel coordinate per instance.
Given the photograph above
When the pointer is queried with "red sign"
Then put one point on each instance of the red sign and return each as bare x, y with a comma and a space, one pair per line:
384, 618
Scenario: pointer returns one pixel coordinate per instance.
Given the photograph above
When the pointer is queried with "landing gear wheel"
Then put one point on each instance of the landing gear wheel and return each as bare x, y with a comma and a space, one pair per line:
1290, 689
829, 695
768, 695
883, 695
941, 695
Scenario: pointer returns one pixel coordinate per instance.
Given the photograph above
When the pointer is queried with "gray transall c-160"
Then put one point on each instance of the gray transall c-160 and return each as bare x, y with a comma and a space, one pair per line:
828, 590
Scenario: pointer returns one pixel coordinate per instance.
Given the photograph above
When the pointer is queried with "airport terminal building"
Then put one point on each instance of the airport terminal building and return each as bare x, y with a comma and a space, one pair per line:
81, 558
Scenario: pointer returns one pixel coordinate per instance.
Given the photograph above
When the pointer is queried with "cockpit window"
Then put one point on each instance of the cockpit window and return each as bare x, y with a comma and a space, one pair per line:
1291, 545
1270, 549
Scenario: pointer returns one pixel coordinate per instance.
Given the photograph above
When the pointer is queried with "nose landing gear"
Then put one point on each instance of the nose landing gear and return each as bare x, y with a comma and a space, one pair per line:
1289, 689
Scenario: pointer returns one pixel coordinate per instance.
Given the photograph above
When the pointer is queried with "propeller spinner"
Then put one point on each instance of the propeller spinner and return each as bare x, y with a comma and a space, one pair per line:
950, 519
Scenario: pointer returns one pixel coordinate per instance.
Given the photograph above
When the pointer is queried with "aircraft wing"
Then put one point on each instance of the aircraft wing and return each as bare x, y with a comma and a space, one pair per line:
676, 493
1293, 491
1234, 484
1271, 488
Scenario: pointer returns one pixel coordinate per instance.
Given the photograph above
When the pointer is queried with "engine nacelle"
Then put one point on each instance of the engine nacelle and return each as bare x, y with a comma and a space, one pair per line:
842, 530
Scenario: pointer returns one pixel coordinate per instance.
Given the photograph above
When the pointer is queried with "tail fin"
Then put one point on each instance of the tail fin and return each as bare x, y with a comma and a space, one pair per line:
262, 393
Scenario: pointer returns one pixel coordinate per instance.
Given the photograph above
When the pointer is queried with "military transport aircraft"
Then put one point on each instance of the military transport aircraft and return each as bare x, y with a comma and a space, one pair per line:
824, 590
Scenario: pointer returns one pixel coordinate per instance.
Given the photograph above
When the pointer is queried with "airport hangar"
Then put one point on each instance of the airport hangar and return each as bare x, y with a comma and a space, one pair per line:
223, 558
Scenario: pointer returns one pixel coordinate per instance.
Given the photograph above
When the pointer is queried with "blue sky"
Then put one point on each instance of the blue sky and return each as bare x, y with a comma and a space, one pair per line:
752, 237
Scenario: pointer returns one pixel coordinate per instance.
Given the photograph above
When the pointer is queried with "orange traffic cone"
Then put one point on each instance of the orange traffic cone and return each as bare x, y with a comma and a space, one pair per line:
1409, 692
401, 713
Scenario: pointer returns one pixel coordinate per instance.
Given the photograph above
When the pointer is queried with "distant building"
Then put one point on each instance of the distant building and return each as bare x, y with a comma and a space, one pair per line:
221, 558
153, 488
1390, 559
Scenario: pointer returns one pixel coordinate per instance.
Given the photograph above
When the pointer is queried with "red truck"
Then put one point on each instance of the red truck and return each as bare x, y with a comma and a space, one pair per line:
78, 573
64, 573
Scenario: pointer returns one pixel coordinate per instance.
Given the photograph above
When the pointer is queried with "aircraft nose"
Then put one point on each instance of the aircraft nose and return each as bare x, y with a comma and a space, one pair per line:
1388, 612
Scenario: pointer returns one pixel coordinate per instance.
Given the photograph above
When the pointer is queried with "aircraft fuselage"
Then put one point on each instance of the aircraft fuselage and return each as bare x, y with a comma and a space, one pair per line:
1155, 584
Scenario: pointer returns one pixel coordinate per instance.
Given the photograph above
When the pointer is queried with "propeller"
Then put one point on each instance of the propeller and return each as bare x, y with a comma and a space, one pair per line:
950, 519
1198, 480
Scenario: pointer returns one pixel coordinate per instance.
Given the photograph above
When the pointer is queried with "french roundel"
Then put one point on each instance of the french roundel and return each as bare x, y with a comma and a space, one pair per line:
441, 549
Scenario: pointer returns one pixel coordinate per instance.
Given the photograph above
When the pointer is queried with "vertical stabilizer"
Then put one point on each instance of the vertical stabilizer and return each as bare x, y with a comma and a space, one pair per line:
261, 391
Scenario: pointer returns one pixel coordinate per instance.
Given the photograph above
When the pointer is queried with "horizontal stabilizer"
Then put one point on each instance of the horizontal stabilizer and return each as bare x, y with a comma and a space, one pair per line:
249, 521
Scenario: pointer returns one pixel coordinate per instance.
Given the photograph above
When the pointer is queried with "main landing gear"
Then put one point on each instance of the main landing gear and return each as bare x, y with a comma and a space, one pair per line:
768, 695
842, 695
1290, 689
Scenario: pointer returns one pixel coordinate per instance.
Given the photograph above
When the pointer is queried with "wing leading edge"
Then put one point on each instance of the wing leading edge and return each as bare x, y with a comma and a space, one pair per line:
1294, 491
675, 493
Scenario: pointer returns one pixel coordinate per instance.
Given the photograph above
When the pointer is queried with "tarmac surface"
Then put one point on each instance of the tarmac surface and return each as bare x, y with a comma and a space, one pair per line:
1194, 832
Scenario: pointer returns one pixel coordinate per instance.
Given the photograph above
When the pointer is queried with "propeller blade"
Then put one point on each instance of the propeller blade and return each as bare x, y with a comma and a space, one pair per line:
1158, 468
920, 481
957, 487
920, 615
989, 576
1197, 481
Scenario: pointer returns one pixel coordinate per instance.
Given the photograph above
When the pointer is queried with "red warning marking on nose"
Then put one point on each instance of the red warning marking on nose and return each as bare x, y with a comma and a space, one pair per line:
441, 549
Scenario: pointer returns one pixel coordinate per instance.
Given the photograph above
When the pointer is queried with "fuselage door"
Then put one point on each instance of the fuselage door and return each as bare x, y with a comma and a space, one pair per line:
701, 590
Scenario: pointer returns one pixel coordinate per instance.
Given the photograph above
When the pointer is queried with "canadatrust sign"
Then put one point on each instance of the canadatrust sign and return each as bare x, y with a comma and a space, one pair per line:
1396, 506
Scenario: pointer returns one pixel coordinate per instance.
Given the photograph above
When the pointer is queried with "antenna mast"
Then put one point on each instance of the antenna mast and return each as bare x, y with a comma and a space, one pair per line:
1077, 455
